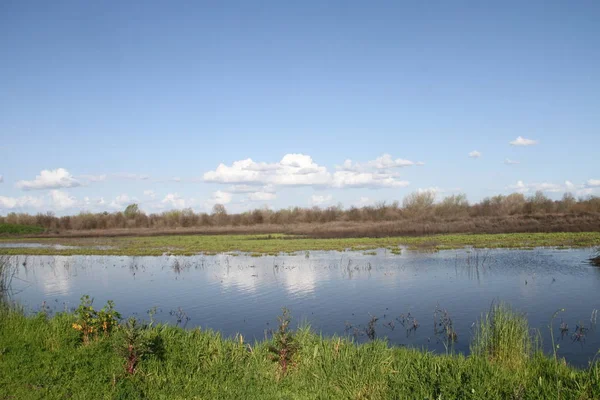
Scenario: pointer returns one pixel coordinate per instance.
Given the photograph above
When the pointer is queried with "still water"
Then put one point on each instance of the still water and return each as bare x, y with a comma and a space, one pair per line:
334, 292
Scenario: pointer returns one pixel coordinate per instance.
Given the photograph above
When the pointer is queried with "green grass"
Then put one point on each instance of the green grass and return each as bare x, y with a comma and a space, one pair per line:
502, 336
43, 358
16, 229
277, 243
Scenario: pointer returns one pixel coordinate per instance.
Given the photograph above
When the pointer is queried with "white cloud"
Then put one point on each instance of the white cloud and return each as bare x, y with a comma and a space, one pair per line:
364, 201
261, 196
522, 187
346, 179
221, 197
135, 177
585, 191
474, 154
293, 169
50, 179
433, 189
318, 200
54, 200
300, 169
149, 193
508, 161
8, 203
122, 201
593, 183
174, 200
92, 178
382, 162
61, 200
250, 189
218, 197
521, 141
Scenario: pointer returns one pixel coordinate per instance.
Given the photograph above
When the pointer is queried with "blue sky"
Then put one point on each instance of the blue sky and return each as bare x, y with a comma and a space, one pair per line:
143, 101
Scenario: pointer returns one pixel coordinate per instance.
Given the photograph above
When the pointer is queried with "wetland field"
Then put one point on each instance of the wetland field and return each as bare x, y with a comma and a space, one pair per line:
444, 316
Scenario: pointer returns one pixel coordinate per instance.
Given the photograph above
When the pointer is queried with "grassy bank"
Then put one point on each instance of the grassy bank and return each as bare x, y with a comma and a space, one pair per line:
276, 243
43, 357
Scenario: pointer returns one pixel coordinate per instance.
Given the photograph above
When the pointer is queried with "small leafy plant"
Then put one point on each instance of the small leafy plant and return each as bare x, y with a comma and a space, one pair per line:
284, 343
91, 322
135, 345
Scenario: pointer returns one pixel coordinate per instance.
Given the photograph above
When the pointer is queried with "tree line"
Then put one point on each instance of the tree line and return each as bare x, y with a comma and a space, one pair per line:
420, 206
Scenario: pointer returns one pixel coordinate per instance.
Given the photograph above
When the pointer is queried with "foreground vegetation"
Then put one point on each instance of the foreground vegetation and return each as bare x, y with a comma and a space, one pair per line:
277, 243
85, 355
419, 214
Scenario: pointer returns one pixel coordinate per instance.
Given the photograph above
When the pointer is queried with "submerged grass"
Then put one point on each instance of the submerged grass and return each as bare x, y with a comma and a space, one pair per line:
277, 243
42, 357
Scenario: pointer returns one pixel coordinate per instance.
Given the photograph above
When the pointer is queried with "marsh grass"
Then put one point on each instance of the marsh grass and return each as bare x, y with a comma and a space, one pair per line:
8, 271
502, 336
258, 245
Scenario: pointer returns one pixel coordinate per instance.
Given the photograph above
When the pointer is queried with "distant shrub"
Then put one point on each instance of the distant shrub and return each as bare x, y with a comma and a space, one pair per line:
18, 229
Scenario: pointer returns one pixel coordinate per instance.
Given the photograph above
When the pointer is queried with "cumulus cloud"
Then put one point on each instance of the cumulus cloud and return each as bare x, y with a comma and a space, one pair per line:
174, 200
92, 178
149, 193
474, 154
363, 202
522, 187
318, 200
261, 196
352, 179
122, 201
61, 200
221, 197
593, 183
292, 170
521, 141
508, 161
9, 203
54, 200
50, 179
383, 162
250, 189
301, 170
129, 176
218, 197
432, 189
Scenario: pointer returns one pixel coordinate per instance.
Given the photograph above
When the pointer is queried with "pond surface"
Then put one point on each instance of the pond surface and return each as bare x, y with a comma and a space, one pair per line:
334, 292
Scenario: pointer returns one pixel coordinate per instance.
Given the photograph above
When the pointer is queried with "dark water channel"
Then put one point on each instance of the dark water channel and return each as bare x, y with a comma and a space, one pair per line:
334, 292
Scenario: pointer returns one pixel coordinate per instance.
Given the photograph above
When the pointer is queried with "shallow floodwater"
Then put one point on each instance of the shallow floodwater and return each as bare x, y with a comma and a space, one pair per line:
26, 245
334, 292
